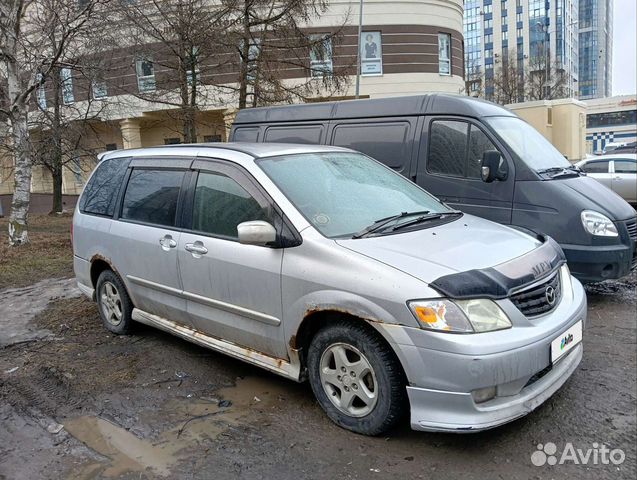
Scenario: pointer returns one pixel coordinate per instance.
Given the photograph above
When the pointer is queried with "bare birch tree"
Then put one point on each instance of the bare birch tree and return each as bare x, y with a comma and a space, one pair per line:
508, 81
28, 59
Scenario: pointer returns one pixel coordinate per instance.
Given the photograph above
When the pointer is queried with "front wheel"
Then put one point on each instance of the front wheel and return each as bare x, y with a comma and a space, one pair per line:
356, 378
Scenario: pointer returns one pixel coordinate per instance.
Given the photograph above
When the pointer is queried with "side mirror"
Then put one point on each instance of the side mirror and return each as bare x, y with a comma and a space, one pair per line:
491, 168
256, 232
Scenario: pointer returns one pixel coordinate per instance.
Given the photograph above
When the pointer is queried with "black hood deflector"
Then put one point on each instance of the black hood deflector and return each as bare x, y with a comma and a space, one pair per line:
499, 281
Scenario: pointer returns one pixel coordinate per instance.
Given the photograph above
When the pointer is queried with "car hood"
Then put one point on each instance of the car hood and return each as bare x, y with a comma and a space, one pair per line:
598, 197
467, 243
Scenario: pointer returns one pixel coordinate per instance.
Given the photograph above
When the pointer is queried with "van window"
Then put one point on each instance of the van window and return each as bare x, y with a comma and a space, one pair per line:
456, 148
596, 167
221, 204
101, 191
448, 147
388, 143
246, 134
625, 166
294, 134
152, 195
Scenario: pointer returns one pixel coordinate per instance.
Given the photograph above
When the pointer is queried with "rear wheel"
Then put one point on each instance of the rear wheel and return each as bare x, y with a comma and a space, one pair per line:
356, 378
113, 302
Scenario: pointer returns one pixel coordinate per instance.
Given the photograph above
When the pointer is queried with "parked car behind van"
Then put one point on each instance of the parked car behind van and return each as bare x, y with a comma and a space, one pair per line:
618, 172
320, 263
443, 143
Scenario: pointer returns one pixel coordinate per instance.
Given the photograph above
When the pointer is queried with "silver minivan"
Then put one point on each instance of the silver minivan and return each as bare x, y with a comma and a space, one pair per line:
320, 263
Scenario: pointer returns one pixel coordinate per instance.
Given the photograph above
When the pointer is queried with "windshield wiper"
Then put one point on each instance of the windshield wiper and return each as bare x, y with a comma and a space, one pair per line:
424, 218
561, 171
383, 222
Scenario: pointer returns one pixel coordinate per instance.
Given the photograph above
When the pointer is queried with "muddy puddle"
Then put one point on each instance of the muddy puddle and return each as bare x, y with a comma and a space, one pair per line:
193, 422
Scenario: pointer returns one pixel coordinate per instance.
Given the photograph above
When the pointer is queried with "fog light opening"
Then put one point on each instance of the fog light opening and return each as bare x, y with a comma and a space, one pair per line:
607, 271
482, 395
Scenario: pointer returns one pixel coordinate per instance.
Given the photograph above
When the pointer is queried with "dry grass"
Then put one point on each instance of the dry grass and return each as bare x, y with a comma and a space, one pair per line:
48, 255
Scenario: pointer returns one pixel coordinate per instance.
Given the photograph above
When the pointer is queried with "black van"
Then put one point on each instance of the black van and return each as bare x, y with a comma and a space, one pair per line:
475, 156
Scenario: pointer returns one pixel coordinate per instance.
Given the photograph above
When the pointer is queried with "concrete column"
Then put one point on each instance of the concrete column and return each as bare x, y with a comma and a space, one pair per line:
131, 133
228, 119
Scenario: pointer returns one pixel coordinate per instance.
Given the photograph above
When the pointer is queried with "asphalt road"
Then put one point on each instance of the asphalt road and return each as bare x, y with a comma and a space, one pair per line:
77, 402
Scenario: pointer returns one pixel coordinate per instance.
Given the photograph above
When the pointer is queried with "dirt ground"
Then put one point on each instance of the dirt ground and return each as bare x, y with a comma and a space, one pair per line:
48, 255
77, 402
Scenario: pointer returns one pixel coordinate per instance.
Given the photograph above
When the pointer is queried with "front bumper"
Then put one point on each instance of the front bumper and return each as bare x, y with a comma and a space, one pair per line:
597, 263
443, 369
433, 410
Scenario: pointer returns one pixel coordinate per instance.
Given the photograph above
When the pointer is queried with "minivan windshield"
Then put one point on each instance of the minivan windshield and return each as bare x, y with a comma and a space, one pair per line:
341, 194
532, 148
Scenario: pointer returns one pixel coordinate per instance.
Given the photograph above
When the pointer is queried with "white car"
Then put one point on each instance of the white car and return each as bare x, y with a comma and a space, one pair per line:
618, 172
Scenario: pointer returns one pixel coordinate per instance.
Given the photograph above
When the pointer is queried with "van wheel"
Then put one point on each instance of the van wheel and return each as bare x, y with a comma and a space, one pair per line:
356, 378
113, 302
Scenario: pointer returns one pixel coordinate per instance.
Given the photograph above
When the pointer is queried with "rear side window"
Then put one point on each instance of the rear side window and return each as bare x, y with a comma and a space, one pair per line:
388, 143
221, 204
456, 148
295, 134
596, 167
246, 134
152, 196
625, 166
100, 193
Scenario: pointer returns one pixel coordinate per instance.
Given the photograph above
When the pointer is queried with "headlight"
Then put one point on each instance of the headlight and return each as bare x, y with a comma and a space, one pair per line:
598, 224
460, 316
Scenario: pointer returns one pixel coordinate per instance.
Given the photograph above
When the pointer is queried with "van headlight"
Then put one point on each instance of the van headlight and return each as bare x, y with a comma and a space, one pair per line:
598, 224
460, 316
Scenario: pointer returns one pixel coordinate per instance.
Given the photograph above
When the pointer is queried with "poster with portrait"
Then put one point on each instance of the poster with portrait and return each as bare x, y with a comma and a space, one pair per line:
371, 53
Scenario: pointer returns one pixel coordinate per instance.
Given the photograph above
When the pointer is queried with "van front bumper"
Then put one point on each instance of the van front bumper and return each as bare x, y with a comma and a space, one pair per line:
597, 263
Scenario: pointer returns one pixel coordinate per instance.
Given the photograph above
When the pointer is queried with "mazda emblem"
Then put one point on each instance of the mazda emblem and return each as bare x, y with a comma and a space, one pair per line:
550, 295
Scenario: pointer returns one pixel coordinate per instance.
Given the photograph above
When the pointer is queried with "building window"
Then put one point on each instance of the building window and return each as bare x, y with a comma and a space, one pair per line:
488, 53
41, 93
444, 54
371, 53
487, 9
505, 35
145, 74
66, 77
110, 147
211, 138
518, 17
520, 33
172, 141
488, 23
321, 55
99, 89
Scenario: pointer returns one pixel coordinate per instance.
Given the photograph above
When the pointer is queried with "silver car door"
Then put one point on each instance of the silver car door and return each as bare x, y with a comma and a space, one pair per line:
624, 180
599, 170
146, 238
233, 291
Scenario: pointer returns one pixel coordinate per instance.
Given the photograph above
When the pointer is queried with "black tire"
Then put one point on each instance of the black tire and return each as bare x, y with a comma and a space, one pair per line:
391, 395
108, 307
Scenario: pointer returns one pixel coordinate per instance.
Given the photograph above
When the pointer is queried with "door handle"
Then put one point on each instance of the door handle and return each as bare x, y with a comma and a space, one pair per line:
617, 178
196, 248
167, 242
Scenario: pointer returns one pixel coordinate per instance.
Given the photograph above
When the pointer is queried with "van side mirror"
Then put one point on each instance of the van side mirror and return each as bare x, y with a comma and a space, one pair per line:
256, 232
491, 168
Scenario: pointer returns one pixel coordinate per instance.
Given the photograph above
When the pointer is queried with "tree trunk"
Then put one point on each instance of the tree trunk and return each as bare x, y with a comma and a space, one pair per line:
56, 175
245, 58
18, 220
56, 161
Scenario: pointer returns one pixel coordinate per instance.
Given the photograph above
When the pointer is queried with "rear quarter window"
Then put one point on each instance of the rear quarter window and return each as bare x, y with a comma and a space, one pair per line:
100, 193
387, 142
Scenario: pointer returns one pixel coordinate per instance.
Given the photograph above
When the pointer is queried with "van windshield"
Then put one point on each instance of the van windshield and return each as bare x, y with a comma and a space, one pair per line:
341, 194
534, 150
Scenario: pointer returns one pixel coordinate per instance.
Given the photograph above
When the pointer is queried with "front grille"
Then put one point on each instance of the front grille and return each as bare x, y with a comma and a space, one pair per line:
534, 300
631, 226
